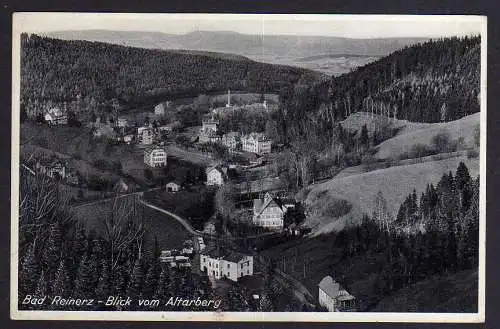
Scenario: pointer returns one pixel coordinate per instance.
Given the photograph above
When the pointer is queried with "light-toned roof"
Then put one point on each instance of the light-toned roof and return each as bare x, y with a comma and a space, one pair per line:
333, 289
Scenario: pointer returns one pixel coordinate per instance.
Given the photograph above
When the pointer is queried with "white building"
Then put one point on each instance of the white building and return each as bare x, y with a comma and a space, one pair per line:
155, 157
209, 123
216, 175
232, 140
232, 265
173, 187
256, 143
269, 212
56, 116
335, 298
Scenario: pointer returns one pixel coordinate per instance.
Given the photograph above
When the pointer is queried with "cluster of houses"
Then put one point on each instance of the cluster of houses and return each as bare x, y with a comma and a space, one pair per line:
225, 264
333, 297
58, 169
257, 143
178, 258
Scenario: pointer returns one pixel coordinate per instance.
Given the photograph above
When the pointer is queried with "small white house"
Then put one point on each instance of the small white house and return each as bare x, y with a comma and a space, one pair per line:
122, 122
333, 297
173, 187
231, 266
155, 157
56, 116
216, 175
128, 139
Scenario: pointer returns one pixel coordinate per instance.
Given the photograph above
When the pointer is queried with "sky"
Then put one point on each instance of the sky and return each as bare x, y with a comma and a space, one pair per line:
348, 26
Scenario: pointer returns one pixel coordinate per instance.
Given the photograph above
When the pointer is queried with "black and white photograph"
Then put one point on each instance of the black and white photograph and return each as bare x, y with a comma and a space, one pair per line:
248, 167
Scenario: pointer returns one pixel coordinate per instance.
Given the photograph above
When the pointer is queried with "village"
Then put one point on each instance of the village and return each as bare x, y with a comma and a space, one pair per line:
263, 208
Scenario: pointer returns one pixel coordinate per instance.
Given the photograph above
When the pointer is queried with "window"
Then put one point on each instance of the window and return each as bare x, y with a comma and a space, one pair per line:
228, 265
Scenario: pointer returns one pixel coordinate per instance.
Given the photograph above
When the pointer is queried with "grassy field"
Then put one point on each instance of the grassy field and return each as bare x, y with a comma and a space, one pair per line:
196, 204
169, 233
360, 190
355, 122
403, 142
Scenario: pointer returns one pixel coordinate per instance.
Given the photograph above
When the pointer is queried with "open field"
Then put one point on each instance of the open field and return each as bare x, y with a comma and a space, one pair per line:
168, 232
360, 190
356, 121
403, 142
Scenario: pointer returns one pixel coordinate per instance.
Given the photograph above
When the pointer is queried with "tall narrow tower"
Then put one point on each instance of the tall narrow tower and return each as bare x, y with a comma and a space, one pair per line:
228, 98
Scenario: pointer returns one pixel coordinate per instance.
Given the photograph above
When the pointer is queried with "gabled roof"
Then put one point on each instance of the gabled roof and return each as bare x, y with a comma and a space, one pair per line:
333, 289
219, 168
259, 205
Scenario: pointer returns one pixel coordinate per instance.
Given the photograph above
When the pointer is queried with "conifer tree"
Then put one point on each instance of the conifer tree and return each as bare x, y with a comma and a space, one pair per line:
62, 284
164, 287
136, 280
29, 271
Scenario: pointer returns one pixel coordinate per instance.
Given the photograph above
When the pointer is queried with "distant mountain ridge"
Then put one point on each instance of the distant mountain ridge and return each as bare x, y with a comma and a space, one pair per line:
256, 47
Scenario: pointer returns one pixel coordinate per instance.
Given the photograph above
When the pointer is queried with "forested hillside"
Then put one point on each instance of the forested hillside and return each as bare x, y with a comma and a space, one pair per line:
430, 82
60, 70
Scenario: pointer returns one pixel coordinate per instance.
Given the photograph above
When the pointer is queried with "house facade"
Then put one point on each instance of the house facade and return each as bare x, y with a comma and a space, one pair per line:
160, 108
147, 136
231, 266
155, 157
333, 297
56, 116
216, 175
232, 140
269, 212
256, 143
209, 137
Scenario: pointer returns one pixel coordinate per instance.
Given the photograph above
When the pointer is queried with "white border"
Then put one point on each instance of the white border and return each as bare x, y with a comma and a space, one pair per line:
242, 316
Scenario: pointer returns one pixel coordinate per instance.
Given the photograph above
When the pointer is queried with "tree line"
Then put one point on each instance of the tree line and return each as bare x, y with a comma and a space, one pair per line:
60, 70
433, 235
58, 257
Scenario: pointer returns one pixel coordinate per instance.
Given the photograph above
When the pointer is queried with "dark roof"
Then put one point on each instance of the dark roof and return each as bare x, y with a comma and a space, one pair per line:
231, 256
234, 257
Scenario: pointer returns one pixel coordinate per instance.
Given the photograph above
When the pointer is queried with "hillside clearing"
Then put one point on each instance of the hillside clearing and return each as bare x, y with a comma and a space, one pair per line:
395, 183
410, 136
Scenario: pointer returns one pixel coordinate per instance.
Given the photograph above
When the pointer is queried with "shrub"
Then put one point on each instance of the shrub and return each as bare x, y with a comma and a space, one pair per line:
472, 154
336, 207
441, 142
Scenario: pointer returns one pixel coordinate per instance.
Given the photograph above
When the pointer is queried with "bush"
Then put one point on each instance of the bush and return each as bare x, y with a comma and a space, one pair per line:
473, 154
441, 142
336, 207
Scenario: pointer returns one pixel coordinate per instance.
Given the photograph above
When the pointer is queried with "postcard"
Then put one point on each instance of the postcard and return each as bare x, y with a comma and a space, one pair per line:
230, 167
